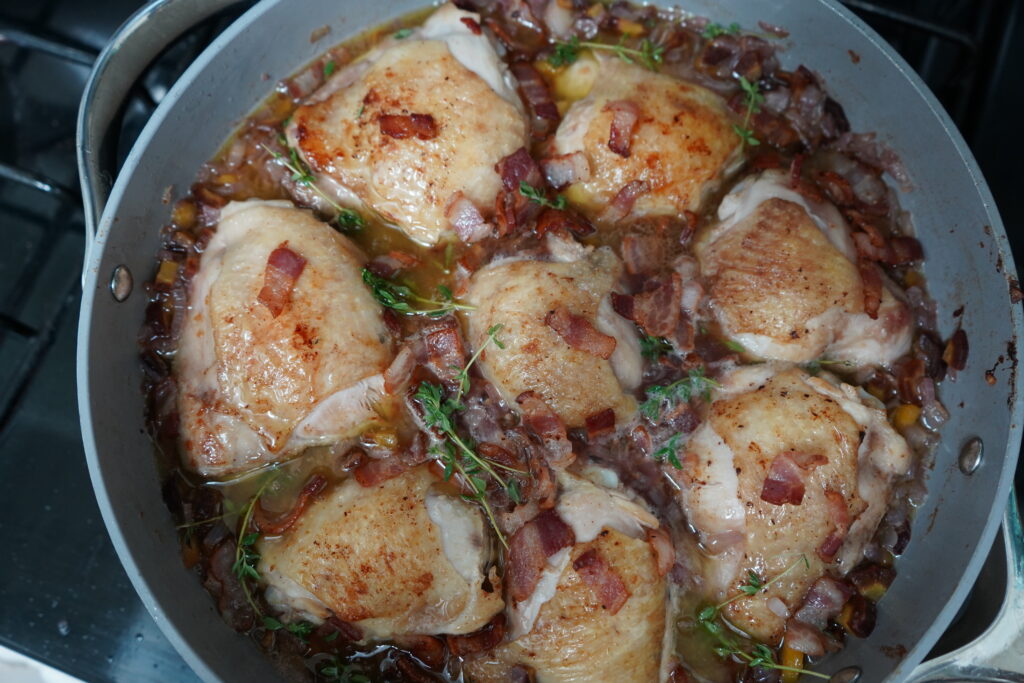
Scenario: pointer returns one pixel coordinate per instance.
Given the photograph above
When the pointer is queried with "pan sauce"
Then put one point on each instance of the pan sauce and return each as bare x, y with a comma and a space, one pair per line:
674, 236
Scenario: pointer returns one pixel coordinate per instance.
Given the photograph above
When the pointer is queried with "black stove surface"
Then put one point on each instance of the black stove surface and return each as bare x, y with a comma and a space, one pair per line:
66, 599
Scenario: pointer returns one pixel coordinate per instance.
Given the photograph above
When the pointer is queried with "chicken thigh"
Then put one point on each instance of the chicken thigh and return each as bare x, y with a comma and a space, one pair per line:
565, 632
415, 125
671, 144
399, 558
542, 306
784, 281
282, 345
788, 472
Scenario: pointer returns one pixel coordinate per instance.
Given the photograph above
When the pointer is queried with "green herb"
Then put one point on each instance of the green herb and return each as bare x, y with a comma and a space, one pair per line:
404, 33
329, 68
301, 173
733, 345
660, 395
339, 672
359, 113
300, 629
648, 53
669, 452
537, 196
815, 366
331, 638
246, 557
401, 297
753, 98
760, 655
714, 30
458, 456
654, 347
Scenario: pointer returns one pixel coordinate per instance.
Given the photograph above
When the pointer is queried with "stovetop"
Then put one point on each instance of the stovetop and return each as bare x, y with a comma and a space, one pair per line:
66, 599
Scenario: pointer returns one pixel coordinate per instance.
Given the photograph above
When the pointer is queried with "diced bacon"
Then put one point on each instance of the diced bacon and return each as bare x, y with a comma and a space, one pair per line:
479, 641
516, 168
545, 423
400, 371
580, 333
623, 304
804, 638
555, 220
905, 250
566, 169
275, 527
472, 25
625, 116
529, 550
445, 351
466, 219
664, 552
785, 483
390, 264
657, 311
840, 514
623, 201
402, 126
602, 579
600, 423
824, 600
374, 471
642, 253
537, 95
283, 269
872, 283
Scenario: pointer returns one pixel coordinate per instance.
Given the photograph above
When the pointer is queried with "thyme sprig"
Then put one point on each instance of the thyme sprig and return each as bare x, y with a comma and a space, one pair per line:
654, 347
402, 297
649, 53
299, 629
670, 452
340, 672
760, 655
696, 383
536, 196
752, 99
346, 218
246, 557
457, 454
713, 30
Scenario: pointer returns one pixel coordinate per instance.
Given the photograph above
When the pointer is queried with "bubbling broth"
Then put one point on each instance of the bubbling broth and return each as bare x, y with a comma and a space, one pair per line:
546, 341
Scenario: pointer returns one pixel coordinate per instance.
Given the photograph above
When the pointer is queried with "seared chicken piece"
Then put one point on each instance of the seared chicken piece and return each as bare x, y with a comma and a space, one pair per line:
525, 298
399, 558
282, 346
784, 281
564, 632
786, 467
680, 145
416, 124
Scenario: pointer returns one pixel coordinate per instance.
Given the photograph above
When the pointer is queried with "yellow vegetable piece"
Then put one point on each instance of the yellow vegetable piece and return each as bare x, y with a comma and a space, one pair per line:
575, 82
167, 273
793, 658
905, 415
630, 28
913, 278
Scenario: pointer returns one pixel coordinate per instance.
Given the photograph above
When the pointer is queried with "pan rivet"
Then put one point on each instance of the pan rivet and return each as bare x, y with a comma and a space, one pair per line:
850, 674
121, 283
970, 455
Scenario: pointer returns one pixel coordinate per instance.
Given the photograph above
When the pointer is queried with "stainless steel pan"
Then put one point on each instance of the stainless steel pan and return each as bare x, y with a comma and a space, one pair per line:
968, 265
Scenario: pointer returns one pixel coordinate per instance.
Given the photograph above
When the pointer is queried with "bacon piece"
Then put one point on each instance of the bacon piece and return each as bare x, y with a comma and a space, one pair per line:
905, 250
955, 353
622, 202
580, 333
824, 600
390, 264
841, 524
472, 25
402, 126
283, 269
600, 423
657, 311
535, 92
623, 304
518, 167
625, 116
566, 169
804, 638
555, 220
400, 371
529, 549
872, 283
511, 208
545, 423
373, 471
642, 253
664, 552
837, 188
786, 477
466, 219
602, 579
276, 527
479, 641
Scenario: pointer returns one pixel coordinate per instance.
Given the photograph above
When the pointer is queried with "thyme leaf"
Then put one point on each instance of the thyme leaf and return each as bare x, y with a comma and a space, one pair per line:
401, 298
329, 68
346, 218
714, 30
649, 53
669, 452
536, 196
654, 347
661, 395
402, 34
753, 98
246, 557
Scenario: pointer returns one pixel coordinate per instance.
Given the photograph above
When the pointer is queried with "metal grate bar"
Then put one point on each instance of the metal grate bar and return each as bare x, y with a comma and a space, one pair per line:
960, 37
37, 182
50, 45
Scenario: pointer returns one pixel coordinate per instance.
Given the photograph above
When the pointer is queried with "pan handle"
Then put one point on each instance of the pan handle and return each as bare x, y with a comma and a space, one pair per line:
997, 655
135, 44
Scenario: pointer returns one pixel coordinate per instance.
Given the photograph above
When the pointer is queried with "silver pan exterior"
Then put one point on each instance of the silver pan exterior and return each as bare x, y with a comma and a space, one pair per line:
968, 265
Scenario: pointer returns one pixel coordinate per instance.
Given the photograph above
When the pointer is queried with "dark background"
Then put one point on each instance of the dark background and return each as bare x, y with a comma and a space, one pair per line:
64, 597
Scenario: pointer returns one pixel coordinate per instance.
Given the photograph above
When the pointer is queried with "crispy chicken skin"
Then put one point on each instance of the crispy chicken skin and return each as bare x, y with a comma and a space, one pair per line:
398, 558
682, 142
784, 283
518, 295
758, 415
443, 71
254, 388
